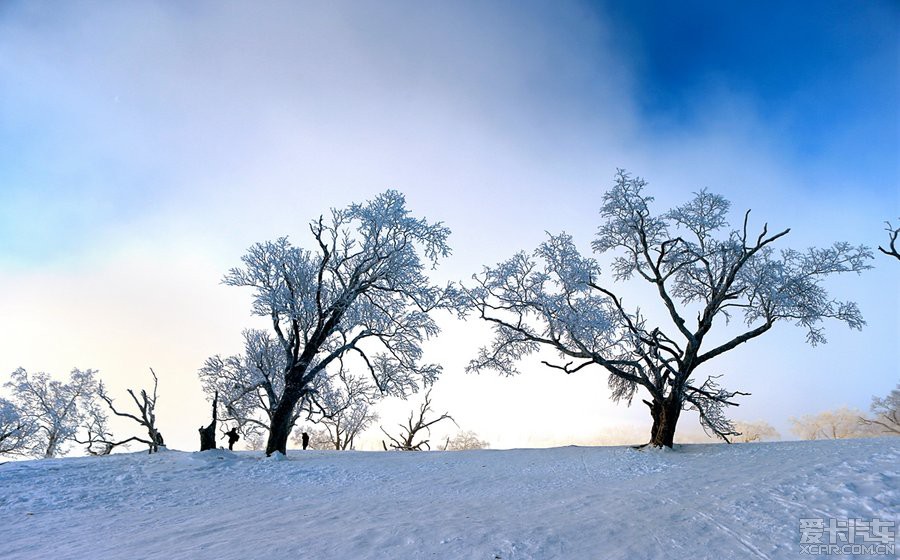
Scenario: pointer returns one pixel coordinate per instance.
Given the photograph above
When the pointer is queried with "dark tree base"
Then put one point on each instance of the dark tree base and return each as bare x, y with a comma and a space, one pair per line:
208, 434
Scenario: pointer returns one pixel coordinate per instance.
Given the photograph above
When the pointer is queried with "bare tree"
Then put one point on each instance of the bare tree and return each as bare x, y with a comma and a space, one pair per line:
414, 427
553, 299
255, 442
841, 423
465, 440
361, 291
145, 417
54, 409
886, 413
250, 386
15, 430
95, 427
893, 232
342, 405
755, 431
319, 438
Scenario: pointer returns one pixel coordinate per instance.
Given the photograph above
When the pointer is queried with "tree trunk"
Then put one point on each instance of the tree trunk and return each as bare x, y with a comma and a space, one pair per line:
280, 429
156, 440
283, 421
51, 447
665, 417
208, 434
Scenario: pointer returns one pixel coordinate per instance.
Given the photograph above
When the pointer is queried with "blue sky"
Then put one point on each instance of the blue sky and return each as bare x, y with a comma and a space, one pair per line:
145, 145
826, 76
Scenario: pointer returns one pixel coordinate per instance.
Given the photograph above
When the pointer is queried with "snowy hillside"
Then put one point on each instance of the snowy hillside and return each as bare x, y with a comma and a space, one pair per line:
700, 501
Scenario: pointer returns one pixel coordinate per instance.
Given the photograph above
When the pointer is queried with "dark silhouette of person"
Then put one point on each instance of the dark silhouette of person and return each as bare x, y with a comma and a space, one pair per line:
232, 438
305, 440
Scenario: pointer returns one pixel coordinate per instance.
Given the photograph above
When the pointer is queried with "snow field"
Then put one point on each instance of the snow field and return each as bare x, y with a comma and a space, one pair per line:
698, 501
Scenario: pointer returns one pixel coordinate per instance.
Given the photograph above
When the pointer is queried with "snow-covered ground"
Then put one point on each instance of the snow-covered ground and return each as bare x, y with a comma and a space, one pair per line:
699, 501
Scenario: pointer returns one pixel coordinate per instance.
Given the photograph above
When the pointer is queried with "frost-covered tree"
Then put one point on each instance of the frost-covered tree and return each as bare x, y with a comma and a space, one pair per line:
416, 426
885, 413
841, 423
95, 434
465, 440
702, 271
256, 441
755, 431
361, 290
319, 438
342, 405
249, 385
15, 430
893, 232
55, 409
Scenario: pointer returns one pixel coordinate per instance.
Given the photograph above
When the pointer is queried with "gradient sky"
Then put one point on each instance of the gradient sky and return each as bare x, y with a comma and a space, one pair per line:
144, 146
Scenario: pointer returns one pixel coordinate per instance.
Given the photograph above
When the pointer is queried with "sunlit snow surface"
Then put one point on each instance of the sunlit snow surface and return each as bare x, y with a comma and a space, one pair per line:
699, 501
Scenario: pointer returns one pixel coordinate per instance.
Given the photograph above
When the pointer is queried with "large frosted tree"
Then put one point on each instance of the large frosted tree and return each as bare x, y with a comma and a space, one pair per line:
360, 292
702, 273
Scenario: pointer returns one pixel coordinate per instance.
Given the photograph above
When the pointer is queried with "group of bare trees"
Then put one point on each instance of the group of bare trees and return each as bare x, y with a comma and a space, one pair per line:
340, 411
840, 423
350, 310
359, 298
49, 412
883, 419
413, 435
45, 417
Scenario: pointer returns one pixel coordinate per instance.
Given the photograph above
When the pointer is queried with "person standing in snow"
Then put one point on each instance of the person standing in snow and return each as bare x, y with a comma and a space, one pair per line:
305, 440
232, 438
